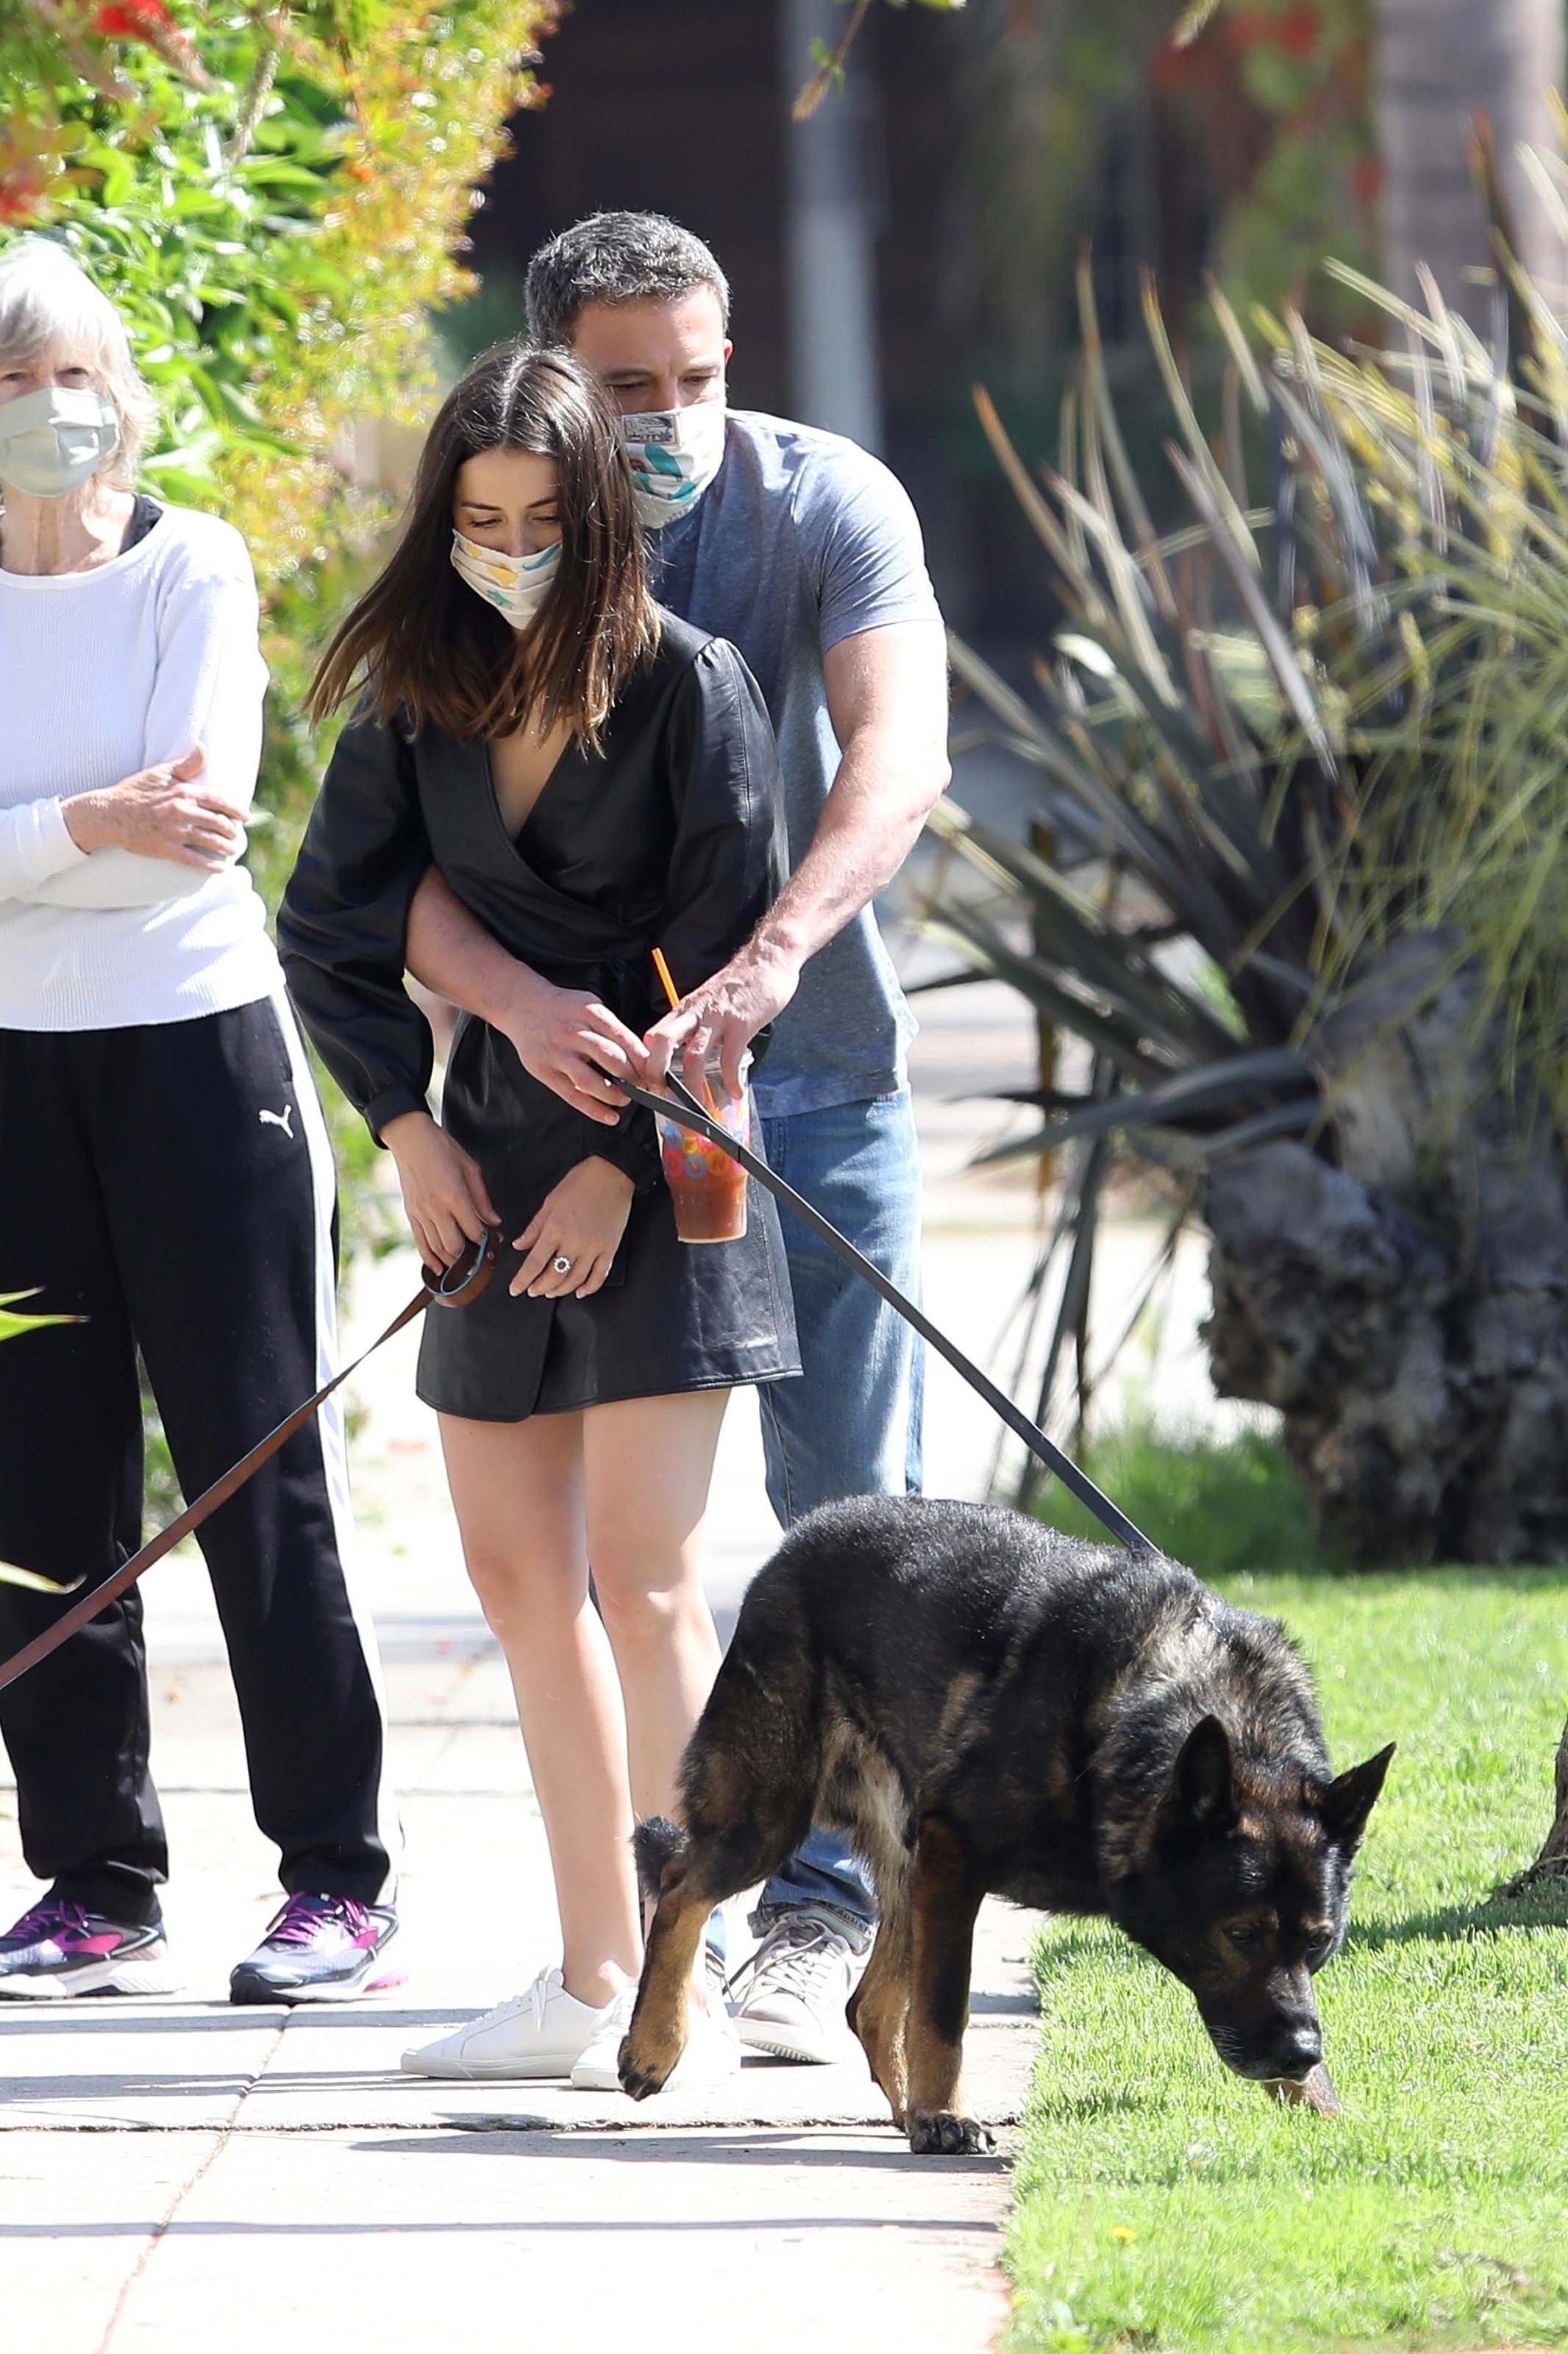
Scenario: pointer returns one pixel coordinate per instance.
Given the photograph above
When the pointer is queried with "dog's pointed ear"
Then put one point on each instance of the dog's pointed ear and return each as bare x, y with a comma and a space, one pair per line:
1202, 1784
1350, 1799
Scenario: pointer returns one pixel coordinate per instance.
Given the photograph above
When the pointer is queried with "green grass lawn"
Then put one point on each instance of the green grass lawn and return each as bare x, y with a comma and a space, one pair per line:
1163, 2204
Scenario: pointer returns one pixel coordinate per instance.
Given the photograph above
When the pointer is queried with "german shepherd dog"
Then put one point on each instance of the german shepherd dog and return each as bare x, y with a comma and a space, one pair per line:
982, 1706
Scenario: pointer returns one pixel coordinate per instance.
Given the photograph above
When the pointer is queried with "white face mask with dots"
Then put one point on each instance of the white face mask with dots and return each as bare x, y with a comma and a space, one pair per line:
674, 454
516, 586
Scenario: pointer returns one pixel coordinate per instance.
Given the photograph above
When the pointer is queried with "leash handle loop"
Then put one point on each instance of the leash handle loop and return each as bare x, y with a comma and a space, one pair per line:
1046, 1450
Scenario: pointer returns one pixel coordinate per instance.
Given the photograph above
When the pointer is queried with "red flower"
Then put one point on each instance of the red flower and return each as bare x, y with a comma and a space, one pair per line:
150, 21
131, 20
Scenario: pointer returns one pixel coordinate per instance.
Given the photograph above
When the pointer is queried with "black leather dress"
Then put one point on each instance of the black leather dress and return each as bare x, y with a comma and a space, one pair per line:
671, 837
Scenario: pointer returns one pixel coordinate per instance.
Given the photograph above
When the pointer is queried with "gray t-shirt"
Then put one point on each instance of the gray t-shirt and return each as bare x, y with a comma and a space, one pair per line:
802, 540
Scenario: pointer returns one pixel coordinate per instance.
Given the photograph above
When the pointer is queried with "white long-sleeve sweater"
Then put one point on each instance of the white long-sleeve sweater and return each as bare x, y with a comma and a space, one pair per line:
103, 674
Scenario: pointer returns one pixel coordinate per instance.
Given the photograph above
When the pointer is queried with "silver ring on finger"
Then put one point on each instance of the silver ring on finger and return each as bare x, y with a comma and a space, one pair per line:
562, 1265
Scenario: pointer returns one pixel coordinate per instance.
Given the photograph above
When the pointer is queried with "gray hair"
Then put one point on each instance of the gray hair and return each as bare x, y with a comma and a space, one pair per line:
615, 258
49, 304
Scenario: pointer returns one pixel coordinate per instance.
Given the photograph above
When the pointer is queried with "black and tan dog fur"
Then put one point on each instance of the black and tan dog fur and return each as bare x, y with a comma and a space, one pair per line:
982, 1706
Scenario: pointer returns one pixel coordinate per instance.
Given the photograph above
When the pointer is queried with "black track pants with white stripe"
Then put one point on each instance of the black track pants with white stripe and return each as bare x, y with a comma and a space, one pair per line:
171, 1185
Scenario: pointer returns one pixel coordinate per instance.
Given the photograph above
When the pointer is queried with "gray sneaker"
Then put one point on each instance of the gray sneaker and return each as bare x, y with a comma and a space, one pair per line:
796, 1986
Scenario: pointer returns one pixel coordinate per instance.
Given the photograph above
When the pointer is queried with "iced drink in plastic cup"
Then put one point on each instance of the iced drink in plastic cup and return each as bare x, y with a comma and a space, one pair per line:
706, 1187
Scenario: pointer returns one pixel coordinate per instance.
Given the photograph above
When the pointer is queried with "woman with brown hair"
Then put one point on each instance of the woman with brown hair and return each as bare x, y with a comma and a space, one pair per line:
595, 780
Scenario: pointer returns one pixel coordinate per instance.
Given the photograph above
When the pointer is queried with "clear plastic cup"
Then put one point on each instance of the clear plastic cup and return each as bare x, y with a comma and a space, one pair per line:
707, 1188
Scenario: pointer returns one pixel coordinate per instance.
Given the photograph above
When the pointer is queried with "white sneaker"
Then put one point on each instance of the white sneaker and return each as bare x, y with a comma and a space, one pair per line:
711, 2055
539, 2033
796, 1984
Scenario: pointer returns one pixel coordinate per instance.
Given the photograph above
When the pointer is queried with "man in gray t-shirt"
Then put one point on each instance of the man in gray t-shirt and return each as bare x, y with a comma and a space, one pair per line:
802, 545
805, 553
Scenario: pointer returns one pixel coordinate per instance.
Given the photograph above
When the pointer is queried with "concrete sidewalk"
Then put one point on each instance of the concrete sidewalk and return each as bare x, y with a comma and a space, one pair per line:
176, 2172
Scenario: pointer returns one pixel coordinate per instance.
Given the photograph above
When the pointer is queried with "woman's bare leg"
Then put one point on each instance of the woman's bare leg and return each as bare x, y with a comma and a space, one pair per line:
648, 1463
517, 1488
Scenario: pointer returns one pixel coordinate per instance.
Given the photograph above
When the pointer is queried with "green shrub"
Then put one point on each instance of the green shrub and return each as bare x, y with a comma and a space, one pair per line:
275, 201
1220, 1505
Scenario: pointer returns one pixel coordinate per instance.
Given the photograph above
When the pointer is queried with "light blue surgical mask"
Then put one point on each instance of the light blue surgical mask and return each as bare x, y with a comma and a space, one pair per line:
53, 440
516, 586
674, 454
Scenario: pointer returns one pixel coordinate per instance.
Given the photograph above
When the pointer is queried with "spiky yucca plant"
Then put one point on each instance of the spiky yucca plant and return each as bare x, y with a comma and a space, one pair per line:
1313, 749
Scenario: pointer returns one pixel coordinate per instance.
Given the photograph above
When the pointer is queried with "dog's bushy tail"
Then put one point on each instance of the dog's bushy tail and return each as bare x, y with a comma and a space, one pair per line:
655, 1843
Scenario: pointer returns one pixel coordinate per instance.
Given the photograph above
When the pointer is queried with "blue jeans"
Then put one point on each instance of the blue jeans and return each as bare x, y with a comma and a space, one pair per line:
849, 1426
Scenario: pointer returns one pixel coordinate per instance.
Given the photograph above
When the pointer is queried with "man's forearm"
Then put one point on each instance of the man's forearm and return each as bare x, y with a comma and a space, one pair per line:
450, 951
565, 1038
881, 798
887, 781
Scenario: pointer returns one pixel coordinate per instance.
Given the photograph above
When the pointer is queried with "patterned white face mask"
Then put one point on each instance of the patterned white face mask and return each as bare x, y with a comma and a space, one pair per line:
674, 454
516, 586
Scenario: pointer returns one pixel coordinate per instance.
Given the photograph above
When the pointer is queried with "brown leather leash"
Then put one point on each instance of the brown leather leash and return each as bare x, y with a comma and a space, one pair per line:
450, 1287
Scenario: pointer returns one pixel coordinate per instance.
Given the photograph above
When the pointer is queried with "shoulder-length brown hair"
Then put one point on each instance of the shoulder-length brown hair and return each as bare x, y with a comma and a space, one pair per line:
420, 641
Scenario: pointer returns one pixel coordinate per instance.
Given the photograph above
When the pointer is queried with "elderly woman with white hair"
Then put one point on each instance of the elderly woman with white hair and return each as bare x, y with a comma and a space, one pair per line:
164, 1179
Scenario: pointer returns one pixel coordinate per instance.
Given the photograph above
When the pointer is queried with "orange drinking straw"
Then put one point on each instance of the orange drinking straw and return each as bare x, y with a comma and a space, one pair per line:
662, 969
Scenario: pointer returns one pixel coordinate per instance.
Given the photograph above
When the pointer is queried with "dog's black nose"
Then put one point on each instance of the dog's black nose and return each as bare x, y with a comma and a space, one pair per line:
1298, 2051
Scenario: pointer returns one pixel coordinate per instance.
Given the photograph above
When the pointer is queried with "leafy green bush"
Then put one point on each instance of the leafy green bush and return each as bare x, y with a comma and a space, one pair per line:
274, 198
274, 201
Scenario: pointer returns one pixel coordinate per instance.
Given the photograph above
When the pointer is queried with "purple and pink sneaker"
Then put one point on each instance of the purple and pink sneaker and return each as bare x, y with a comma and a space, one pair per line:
319, 1949
57, 1949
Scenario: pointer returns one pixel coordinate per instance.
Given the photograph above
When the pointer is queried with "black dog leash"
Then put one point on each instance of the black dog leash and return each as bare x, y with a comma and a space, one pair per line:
449, 1287
692, 1115
454, 1286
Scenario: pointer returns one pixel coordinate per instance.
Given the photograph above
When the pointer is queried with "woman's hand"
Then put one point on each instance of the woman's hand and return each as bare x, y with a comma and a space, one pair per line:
443, 1191
572, 1044
581, 1219
158, 814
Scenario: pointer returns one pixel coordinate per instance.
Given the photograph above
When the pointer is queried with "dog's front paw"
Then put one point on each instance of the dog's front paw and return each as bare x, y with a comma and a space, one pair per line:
642, 2070
941, 2133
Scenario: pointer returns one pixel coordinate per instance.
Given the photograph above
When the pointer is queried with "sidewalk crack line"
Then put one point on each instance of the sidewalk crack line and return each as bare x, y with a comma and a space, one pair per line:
224, 2135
